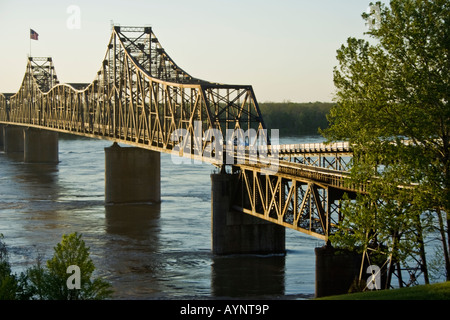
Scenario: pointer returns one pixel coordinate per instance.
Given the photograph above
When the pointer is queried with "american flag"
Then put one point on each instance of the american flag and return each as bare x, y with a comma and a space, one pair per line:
33, 34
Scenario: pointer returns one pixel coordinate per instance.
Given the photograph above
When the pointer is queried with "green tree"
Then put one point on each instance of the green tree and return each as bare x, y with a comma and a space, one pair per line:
52, 284
12, 287
392, 96
8, 282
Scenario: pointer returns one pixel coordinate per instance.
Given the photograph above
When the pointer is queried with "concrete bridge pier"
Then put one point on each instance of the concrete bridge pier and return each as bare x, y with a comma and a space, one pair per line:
132, 175
236, 232
13, 139
40, 146
336, 270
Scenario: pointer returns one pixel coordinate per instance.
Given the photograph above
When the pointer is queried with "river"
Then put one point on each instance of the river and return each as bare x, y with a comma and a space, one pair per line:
145, 251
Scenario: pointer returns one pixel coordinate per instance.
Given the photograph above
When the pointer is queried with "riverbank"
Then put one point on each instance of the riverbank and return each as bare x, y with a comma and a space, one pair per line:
437, 291
295, 119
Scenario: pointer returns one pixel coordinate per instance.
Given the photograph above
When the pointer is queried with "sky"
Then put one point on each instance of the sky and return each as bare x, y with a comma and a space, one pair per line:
285, 49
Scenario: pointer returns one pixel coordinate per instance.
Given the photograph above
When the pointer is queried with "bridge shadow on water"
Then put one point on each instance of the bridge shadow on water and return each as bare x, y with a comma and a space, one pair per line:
248, 276
37, 182
164, 269
137, 221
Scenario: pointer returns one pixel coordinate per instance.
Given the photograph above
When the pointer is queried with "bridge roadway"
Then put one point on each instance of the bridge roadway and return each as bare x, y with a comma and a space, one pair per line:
141, 98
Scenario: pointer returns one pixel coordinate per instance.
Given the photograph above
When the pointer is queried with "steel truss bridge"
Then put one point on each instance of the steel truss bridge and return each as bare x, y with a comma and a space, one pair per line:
141, 97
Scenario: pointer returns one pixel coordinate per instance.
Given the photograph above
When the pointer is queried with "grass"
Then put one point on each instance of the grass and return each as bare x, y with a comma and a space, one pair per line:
437, 291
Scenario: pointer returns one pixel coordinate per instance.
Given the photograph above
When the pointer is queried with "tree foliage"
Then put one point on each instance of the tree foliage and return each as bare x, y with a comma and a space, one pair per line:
12, 286
8, 281
392, 105
50, 283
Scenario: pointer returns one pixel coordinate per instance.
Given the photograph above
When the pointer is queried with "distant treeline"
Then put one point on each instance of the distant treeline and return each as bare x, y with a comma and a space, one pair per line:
293, 118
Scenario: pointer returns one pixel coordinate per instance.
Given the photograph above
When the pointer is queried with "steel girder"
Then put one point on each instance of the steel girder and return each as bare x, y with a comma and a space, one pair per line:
292, 199
300, 196
335, 156
335, 161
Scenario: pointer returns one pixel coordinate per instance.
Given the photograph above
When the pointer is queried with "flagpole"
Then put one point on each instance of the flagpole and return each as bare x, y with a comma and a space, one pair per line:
30, 41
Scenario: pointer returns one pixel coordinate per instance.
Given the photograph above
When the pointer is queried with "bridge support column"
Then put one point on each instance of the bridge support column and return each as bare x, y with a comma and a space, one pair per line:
236, 232
336, 271
132, 175
13, 138
40, 146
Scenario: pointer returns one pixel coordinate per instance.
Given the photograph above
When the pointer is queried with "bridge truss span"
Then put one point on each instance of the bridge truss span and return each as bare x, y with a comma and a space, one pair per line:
297, 196
139, 96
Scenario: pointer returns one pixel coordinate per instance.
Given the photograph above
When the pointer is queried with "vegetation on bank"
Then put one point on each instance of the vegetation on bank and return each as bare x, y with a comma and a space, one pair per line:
294, 119
437, 291
66, 276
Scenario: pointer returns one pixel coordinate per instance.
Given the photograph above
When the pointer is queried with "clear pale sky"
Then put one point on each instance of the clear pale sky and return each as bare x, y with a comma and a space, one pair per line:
285, 49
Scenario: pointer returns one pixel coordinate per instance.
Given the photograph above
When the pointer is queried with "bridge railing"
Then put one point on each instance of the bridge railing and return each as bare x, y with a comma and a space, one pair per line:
312, 148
